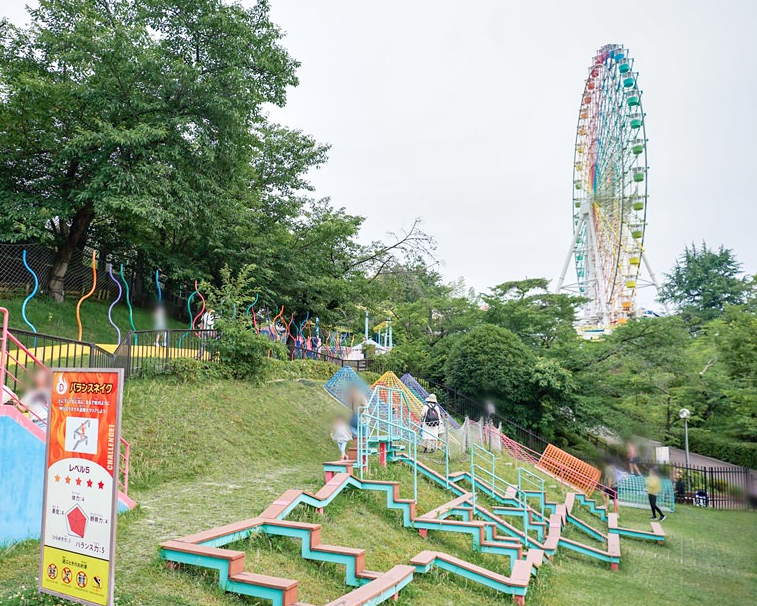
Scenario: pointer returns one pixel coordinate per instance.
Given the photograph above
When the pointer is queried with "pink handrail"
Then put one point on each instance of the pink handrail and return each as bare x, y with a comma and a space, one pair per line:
5, 354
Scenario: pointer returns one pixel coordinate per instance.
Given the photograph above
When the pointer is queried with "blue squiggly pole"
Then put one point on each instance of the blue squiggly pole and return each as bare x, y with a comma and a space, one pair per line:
128, 302
157, 283
112, 305
191, 316
30, 297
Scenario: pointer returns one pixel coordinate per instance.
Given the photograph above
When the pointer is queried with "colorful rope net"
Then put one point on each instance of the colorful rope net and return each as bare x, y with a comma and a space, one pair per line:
343, 384
422, 393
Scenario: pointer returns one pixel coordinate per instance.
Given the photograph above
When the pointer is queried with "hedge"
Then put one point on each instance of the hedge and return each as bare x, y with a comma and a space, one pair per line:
705, 442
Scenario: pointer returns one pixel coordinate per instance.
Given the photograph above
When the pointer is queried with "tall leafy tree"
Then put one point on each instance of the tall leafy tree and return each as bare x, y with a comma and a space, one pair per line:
130, 123
704, 281
527, 308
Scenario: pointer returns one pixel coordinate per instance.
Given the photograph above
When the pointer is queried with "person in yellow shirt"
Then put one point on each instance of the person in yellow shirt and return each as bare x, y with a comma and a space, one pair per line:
654, 486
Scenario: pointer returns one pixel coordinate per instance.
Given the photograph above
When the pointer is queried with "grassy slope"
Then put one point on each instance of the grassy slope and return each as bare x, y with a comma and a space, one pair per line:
205, 455
59, 319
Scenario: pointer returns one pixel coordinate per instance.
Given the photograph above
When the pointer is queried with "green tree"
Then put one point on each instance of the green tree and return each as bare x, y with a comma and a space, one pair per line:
129, 123
490, 362
704, 281
527, 308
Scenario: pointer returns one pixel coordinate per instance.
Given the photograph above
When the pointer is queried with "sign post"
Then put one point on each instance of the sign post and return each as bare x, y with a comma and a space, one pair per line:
81, 485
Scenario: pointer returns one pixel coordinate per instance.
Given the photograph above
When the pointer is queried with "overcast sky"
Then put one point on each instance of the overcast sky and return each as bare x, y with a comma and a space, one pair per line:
463, 113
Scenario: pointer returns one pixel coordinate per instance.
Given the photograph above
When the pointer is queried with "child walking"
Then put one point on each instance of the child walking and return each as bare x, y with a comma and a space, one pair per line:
653, 490
341, 434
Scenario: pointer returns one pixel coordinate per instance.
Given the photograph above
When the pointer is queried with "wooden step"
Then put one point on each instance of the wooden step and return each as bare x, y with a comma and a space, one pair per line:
288, 587
385, 582
442, 509
657, 529
234, 558
520, 577
280, 505
332, 486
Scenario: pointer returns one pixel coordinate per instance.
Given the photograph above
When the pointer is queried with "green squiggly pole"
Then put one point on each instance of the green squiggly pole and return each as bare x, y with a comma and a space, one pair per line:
128, 302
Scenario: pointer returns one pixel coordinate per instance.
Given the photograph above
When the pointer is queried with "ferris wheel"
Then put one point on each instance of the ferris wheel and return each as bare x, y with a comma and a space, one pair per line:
610, 194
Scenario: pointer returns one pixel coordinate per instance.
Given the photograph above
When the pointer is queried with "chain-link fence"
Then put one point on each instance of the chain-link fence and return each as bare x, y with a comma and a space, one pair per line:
17, 280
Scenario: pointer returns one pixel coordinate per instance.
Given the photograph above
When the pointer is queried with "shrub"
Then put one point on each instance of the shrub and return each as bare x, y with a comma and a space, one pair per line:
316, 370
705, 442
243, 352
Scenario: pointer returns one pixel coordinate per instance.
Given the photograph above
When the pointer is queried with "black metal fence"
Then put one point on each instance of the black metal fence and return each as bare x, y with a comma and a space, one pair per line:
301, 353
58, 351
716, 487
154, 351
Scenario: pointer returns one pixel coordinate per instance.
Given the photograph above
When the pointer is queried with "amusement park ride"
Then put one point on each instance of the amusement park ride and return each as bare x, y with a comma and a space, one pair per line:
610, 195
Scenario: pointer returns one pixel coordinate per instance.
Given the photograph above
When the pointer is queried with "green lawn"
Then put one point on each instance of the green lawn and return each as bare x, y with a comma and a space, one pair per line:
59, 319
209, 454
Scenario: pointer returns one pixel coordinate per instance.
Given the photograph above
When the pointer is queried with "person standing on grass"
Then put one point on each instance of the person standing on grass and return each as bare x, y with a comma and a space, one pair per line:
430, 421
610, 488
654, 486
633, 459
341, 434
357, 401
160, 325
207, 323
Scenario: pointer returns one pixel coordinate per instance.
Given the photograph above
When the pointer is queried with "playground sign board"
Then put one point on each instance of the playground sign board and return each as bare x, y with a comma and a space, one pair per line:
81, 485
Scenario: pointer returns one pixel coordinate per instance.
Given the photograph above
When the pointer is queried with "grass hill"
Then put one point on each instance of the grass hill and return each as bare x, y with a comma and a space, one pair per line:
59, 319
206, 453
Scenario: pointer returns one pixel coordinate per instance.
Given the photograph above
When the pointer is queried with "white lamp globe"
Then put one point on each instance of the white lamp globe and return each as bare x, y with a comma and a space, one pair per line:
684, 413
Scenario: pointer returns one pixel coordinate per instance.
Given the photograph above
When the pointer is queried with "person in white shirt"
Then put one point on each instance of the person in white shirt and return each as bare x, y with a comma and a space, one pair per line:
430, 420
207, 323
341, 434
36, 401
160, 324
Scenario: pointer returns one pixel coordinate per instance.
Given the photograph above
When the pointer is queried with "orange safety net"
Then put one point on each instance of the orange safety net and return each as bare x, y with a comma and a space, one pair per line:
569, 469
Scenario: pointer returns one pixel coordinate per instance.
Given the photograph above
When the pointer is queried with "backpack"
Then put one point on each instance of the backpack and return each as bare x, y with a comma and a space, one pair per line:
432, 415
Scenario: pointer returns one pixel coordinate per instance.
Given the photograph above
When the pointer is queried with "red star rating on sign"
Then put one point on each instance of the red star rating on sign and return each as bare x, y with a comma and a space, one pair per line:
78, 481
101, 485
68, 480
89, 483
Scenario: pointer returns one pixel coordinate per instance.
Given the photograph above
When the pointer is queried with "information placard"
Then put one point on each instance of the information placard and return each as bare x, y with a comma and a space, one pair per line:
81, 485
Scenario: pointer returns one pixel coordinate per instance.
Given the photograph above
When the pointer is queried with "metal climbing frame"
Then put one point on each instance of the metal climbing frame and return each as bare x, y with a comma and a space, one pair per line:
484, 462
536, 484
374, 428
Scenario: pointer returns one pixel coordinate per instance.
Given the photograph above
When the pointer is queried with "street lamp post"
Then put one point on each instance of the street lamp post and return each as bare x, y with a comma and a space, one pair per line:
685, 413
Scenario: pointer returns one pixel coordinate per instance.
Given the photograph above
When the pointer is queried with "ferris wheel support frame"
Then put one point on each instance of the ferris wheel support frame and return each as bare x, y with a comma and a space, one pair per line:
602, 313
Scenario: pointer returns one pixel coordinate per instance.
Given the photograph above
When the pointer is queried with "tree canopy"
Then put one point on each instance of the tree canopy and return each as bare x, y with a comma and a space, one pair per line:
704, 281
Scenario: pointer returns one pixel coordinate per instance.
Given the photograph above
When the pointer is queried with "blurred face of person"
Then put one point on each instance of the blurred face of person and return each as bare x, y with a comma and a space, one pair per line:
42, 379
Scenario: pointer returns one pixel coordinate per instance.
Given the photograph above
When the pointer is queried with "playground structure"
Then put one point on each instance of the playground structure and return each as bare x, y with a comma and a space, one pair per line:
516, 522
610, 194
22, 444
